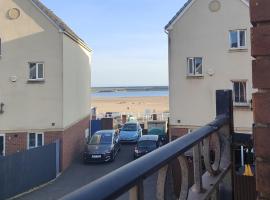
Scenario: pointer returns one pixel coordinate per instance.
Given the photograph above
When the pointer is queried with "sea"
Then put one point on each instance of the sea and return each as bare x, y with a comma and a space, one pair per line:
137, 91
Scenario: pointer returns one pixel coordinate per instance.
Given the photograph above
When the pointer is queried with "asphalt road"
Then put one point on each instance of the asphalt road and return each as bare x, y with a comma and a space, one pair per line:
80, 174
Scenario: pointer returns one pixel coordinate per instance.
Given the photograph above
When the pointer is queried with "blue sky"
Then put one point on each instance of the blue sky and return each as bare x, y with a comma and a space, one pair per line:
127, 37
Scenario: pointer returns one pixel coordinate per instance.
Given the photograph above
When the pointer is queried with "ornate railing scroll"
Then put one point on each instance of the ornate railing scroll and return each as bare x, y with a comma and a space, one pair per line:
211, 147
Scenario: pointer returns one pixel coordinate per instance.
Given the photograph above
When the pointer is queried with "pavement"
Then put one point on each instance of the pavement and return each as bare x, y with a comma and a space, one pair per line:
79, 174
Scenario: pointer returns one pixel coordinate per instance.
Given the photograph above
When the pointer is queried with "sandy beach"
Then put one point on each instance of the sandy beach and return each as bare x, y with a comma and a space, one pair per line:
131, 105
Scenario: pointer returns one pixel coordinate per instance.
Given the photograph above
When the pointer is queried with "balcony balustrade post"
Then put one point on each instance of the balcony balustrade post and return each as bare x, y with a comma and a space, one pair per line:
137, 192
197, 162
224, 106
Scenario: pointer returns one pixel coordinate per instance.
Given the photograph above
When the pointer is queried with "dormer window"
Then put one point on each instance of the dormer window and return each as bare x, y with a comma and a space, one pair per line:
238, 39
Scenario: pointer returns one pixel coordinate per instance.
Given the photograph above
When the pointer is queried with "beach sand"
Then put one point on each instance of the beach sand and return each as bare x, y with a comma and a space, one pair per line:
131, 105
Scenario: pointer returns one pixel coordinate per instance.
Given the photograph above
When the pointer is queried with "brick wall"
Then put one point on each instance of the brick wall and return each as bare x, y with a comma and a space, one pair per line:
176, 132
260, 43
73, 142
15, 142
50, 137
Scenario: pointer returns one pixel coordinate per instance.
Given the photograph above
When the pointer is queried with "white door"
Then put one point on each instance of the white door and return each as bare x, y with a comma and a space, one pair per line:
2, 144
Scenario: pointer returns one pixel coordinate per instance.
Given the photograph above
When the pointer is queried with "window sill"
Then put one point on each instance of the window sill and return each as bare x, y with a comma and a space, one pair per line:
36, 81
241, 105
195, 76
238, 50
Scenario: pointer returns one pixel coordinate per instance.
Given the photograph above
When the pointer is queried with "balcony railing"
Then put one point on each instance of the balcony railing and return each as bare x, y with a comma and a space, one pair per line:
214, 182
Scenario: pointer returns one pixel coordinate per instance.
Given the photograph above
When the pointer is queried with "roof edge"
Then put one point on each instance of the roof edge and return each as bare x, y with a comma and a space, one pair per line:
179, 14
60, 29
81, 43
184, 8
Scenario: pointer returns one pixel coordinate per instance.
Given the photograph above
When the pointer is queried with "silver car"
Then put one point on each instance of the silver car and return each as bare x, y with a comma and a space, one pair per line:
130, 132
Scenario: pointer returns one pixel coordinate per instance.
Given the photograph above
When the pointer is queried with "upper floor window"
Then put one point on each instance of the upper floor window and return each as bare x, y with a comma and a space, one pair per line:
238, 39
194, 66
240, 92
35, 140
36, 71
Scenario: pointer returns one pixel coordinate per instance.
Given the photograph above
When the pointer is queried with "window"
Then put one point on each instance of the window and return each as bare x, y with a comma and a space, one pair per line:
238, 39
36, 71
35, 140
194, 66
240, 92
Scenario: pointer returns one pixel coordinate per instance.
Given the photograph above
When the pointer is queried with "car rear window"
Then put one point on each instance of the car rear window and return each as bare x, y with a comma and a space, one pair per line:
129, 127
104, 138
147, 143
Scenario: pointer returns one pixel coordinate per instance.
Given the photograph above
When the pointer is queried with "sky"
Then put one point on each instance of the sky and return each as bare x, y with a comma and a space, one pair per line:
127, 37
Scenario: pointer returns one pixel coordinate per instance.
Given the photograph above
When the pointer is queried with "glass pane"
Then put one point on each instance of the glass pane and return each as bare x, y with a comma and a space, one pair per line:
40, 70
242, 38
243, 98
190, 66
236, 91
32, 140
1, 145
40, 140
198, 65
33, 73
234, 39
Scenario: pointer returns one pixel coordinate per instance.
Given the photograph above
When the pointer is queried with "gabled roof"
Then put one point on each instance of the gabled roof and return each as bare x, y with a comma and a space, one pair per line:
184, 9
59, 23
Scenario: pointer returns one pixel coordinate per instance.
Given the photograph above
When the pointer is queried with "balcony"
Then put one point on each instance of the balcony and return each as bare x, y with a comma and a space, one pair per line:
212, 175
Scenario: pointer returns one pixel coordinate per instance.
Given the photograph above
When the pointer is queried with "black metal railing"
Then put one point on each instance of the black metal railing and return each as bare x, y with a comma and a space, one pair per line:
208, 184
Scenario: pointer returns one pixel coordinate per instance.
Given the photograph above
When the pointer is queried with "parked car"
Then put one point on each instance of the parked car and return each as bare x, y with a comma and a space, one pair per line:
146, 144
163, 138
102, 147
158, 128
130, 132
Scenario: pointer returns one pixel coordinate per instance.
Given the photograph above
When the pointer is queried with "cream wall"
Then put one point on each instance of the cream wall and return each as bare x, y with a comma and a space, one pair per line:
201, 33
30, 38
76, 73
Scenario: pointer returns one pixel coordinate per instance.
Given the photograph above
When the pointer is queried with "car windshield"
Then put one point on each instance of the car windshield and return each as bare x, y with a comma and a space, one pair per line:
130, 127
147, 144
103, 138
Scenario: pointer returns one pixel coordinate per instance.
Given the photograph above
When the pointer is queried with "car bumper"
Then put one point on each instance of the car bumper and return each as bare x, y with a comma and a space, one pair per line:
96, 158
126, 140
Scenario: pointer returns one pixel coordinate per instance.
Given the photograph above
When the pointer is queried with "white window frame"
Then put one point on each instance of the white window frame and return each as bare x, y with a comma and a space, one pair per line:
240, 103
36, 139
194, 73
238, 39
4, 150
37, 67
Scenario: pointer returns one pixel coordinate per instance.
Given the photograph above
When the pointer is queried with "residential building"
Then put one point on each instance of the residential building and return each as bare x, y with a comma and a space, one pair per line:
44, 81
209, 49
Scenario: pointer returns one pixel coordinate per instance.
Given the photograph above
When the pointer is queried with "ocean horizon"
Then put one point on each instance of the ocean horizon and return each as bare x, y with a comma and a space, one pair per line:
133, 91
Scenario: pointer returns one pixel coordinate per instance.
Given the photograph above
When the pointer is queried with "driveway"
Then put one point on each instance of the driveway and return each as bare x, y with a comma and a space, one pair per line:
79, 175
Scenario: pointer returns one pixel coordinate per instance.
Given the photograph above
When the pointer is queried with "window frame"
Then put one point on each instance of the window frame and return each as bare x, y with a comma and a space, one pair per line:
37, 71
238, 39
194, 72
36, 140
246, 91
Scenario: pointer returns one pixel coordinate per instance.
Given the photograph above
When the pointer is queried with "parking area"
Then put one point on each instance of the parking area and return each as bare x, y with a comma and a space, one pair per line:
80, 174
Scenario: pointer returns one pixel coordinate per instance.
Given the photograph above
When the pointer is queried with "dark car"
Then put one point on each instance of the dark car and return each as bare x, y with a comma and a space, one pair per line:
102, 147
146, 144
163, 138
